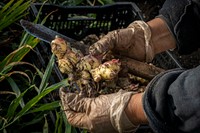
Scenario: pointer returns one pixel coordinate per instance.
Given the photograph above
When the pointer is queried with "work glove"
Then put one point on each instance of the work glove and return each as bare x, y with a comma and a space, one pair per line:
133, 41
103, 114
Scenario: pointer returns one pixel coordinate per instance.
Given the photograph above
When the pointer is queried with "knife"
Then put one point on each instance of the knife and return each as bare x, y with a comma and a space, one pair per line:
47, 35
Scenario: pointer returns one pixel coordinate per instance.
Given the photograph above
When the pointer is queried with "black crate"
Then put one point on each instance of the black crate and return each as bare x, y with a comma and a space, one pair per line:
79, 21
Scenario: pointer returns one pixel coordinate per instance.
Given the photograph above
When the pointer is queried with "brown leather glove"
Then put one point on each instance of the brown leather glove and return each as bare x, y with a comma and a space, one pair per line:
133, 41
103, 114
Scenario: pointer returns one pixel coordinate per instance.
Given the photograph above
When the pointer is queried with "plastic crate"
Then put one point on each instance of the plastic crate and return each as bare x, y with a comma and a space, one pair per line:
79, 21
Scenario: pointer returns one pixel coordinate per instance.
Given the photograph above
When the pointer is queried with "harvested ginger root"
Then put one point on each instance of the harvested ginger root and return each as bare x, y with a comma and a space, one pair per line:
107, 71
86, 71
88, 63
67, 57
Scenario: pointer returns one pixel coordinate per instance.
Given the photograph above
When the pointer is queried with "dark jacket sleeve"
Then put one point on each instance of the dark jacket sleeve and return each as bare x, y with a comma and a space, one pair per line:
172, 101
183, 19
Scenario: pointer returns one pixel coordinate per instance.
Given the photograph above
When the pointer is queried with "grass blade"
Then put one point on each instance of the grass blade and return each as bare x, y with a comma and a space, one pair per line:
11, 65
16, 89
15, 56
57, 122
3, 76
37, 98
13, 106
45, 127
46, 106
13, 12
47, 74
68, 127
5, 8
34, 121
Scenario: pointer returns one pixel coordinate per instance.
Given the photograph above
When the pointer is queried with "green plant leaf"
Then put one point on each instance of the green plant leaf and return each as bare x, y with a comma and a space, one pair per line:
12, 7
12, 64
16, 89
47, 74
5, 8
37, 98
16, 55
45, 127
28, 39
12, 12
3, 76
84, 131
34, 121
69, 128
20, 55
13, 106
46, 107
60, 124
3, 121
58, 117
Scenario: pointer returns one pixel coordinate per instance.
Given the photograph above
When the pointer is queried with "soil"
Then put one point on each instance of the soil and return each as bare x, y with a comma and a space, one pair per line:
189, 61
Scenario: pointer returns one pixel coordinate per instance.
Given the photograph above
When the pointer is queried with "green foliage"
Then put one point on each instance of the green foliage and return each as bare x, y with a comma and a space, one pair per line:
12, 12
29, 105
14, 112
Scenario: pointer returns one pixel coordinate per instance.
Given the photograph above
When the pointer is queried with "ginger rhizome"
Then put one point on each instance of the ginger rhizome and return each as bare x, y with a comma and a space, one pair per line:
86, 71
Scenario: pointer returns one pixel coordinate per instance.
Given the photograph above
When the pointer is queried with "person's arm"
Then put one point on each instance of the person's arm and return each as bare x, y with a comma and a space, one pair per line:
135, 111
183, 19
162, 39
171, 101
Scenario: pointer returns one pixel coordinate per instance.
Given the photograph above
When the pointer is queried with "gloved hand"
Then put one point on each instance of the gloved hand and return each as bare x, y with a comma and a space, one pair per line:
103, 114
133, 41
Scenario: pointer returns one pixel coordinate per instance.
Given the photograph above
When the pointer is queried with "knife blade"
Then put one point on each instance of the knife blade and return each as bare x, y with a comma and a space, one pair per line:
47, 35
